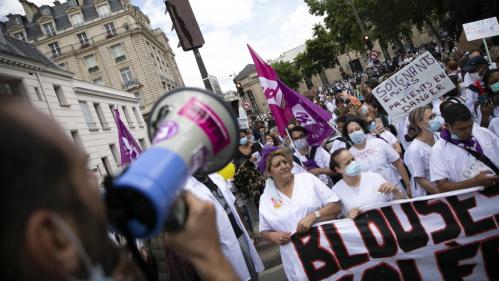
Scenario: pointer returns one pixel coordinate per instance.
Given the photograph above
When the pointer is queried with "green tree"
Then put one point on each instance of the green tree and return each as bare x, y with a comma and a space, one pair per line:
289, 73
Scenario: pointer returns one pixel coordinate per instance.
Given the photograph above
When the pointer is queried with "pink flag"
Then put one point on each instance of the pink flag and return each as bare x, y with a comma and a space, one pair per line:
129, 148
285, 103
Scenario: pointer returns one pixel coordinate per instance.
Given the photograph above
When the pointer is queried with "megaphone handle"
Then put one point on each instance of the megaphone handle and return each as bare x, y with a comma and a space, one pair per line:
178, 215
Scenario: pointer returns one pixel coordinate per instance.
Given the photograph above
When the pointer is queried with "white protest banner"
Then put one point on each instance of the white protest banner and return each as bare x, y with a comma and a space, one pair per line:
417, 84
451, 236
481, 29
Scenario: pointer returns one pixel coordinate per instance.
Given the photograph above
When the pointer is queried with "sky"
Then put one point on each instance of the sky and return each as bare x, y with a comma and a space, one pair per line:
271, 27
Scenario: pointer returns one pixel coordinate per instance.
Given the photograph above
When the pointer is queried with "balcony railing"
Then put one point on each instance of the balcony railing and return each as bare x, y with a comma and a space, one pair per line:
130, 84
68, 49
93, 69
120, 58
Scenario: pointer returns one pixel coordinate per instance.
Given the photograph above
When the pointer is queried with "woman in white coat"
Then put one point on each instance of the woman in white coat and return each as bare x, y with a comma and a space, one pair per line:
240, 251
292, 203
422, 128
375, 155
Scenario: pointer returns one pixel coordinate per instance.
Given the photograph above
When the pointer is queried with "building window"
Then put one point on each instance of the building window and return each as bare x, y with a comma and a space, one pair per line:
103, 10
60, 95
72, 3
105, 162
46, 11
55, 49
110, 30
128, 79
49, 29
138, 117
118, 52
18, 20
99, 81
38, 94
76, 138
77, 20
20, 36
62, 65
88, 115
127, 117
100, 115
83, 39
115, 154
91, 63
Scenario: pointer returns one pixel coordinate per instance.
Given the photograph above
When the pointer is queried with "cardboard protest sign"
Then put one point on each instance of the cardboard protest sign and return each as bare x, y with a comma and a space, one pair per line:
417, 84
448, 236
481, 29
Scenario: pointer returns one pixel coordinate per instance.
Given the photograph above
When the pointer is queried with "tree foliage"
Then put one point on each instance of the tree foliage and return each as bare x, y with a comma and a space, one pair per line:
289, 73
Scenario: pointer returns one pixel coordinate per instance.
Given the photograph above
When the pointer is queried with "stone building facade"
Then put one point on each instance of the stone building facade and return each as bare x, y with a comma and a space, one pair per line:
105, 42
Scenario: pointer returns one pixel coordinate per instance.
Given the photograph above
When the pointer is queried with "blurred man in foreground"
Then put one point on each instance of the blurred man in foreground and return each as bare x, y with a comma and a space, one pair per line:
54, 220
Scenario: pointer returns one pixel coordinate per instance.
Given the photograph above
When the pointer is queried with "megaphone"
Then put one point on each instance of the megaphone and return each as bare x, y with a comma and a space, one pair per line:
190, 130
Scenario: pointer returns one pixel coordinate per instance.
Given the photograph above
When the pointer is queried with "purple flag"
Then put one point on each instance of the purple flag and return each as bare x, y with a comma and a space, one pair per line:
285, 103
129, 148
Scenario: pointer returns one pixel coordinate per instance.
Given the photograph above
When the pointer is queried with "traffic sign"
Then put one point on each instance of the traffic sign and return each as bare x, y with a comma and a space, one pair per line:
374, 55
247, 105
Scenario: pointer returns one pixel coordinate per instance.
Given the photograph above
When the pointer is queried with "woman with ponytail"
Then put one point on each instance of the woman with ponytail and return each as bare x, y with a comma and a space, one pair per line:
421, 131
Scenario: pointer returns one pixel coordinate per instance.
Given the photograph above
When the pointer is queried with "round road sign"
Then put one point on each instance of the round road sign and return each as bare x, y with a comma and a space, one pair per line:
374, 55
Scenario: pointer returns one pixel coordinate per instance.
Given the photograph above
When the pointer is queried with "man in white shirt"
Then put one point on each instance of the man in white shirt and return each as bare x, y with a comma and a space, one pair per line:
314, 159
236, 243
452, 167
475, 69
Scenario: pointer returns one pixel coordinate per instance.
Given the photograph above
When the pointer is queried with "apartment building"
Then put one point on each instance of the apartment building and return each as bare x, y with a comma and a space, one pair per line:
82, 109
105, 42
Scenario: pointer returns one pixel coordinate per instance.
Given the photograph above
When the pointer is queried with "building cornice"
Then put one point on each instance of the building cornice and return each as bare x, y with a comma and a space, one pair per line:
103, 94
32, 65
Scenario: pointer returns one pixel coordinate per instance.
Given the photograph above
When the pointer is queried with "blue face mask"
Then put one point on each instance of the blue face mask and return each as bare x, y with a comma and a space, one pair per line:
454, 136
353, 169
301, 144
364, 110
435, 125
357, 137
495, 87
243, 141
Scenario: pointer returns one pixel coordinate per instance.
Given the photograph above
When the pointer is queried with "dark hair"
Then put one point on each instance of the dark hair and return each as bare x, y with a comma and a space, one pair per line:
446, 103
275, 141
298, 129
357, 120
35, 174
333, 163
486, 77
456, 112
372, 101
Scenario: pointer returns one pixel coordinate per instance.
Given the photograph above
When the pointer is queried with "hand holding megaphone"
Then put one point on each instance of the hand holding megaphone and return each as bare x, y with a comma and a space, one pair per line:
190, 130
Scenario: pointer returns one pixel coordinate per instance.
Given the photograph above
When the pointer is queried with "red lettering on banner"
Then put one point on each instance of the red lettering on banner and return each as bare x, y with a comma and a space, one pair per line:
490, 255
345, 260
410, 240
409, 270
450, 262
452, 228
310, 252
375, 218
461, 209
381, 271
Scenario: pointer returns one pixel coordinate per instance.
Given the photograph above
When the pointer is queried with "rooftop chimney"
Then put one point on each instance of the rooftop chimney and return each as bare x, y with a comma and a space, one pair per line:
29, 8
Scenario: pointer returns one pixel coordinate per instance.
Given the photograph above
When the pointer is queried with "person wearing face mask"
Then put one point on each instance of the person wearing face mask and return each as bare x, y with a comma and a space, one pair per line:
472, 85
376, 155
423, 129
245, 151
54, 223
377, 130
359, 189
465, 155
314, 159
271, 140
489, 110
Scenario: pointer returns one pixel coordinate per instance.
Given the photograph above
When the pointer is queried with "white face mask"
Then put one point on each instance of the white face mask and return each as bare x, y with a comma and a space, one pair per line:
95, 272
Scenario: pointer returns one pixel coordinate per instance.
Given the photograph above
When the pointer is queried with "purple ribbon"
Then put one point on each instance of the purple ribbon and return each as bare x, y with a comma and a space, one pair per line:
470, 143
